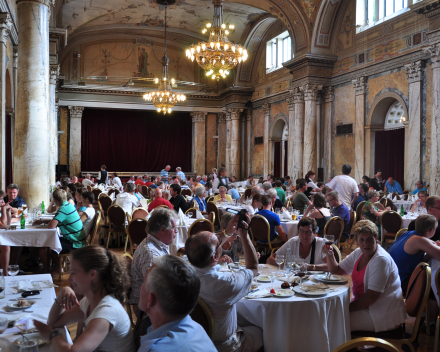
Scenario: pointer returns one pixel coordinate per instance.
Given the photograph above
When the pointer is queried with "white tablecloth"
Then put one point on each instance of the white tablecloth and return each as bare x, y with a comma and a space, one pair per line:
299, 324
181, 237
40, 311
31, 236
406, 205
407, 219
290, 228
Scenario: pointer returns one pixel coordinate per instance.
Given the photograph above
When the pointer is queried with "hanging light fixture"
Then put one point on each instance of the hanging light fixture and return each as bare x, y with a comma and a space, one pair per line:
164, 98
217, 56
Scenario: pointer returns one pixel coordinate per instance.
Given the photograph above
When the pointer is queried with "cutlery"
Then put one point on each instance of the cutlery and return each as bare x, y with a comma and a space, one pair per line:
14, 313
21, 299
30, 331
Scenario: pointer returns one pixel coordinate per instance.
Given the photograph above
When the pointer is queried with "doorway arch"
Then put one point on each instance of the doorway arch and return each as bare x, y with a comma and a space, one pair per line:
279, 134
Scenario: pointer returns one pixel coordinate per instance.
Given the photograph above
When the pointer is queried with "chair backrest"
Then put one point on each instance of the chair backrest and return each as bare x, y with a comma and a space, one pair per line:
337, 253
200, 225
136, 231
395, 194
111, 192
139, 213
352, 345
208, 199
105, 203
102, 194
418, 291
163, 206
193, 211
211, 207
186, 192
383, 201
335, 226
352, 220
145, 191
116, 215
391, 221
247, 193
202, 314
391, 204
116, 192
379, 206
359, 209
259, 228
211, 217
94, 229
96, 193
400, 233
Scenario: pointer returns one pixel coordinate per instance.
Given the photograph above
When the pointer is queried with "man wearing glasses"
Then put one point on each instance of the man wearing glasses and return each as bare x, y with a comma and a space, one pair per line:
221, 290
432, 205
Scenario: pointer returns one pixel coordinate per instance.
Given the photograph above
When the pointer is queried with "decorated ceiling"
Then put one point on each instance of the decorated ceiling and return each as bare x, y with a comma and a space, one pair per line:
186, 15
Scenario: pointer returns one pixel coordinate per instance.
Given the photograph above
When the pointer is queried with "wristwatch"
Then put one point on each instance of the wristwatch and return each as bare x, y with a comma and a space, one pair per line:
53, 334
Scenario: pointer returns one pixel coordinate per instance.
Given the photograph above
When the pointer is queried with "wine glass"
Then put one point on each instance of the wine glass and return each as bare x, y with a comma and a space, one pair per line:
13, 270
3, 324
302, 270
29, 346
279, 259
190, 214
329, 240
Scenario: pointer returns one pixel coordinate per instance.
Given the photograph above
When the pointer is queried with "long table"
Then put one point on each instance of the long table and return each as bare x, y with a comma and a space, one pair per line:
40, 311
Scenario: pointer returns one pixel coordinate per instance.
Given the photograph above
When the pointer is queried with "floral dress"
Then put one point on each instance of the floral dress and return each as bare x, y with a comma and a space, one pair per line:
368, 215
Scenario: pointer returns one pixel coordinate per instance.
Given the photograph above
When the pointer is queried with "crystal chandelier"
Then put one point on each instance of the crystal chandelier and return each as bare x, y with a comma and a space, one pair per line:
164, 98
217, 56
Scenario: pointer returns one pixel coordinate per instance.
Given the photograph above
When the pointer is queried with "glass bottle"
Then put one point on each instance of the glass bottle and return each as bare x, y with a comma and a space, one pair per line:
401, 210
42, 207
22, 221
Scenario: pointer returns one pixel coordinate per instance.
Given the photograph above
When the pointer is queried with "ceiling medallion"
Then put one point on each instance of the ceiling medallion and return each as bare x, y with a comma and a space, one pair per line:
164, 98
217, 56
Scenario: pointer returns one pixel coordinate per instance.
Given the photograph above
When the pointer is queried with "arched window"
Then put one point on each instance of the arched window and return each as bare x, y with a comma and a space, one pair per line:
278, 50
395, 117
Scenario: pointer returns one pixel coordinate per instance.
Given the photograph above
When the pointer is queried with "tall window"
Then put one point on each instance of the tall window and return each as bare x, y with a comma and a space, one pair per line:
278, 50
371, 12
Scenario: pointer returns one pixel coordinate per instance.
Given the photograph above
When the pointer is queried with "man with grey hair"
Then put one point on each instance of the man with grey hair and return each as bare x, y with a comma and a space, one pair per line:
161, 230
132, 179
221, 290
255, 190
180, 173
277, 203
87, 181
127, 200
339, 209
266, 186
168, 295
13, 199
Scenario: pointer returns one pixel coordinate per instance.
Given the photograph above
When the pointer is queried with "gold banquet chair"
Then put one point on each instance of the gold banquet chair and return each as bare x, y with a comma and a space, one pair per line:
437, 323
391, 222
200, 225
202, 314
117, 221
349, 243
335, 226
260, 231
352, 345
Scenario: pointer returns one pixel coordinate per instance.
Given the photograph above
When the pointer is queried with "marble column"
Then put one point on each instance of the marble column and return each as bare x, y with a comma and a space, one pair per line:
327, 132
75, 140
14, 77
359, 84
310, 125
53, 123
413, 130
234, 142
297, 136
5, 23
228, 144
290, 152
370, 146
318, 133
249, 141
222, 142
31, 154
434, 173
198, 120
283, 157
267, 150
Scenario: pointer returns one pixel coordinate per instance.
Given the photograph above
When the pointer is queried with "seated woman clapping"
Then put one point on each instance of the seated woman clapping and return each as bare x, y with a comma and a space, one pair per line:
100, 276
377, 303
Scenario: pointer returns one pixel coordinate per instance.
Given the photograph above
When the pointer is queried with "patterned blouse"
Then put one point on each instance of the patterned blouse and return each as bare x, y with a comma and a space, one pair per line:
366, 212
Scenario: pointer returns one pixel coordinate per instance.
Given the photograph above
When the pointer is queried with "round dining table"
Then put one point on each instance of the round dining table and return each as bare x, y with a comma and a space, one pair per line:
299, 323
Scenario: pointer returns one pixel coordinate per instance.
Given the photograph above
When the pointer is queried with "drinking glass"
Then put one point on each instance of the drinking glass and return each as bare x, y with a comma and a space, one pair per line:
290, 209
329, 240
24, 207
272, 276
190, 214
3, 324
302, 271
279, 259
13, 270
241, 260
29, 346
20, 210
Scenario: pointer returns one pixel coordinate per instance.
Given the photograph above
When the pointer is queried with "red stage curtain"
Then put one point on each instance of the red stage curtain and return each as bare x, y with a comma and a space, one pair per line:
8, 150
389, 154
277, 160
137, 141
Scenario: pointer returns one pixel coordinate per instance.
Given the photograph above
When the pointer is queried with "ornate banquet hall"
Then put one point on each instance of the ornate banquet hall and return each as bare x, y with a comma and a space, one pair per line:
262, 89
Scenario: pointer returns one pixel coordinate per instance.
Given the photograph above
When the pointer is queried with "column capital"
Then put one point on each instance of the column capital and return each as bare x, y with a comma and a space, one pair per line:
329, 94
221, 117
266, 109
5, 27
298, 95
291, 101
198, 116
234, 113
360, 84
414, 71
54, 73
434, 52
76, 111
310, 91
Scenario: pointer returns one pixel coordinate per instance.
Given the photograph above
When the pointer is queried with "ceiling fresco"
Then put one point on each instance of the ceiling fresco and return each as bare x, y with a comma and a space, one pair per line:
187, 15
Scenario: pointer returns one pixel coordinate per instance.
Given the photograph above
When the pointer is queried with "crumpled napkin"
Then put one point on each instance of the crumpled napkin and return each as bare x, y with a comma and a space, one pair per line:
144, 203
395, 199
258, 294
181, 216
199, 215
286, 215
25, 285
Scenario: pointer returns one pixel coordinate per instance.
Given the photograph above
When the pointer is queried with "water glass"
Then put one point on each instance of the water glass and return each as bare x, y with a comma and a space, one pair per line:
290, 209
190, 214
29, 346
279, 259
13, 270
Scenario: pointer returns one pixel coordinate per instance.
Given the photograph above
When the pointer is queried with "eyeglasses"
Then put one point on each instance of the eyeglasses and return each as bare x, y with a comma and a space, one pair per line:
330, 200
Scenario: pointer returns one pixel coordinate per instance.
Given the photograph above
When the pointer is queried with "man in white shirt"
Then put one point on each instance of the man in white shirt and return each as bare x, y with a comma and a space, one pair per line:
116, 181
221, 180
87, 181
132, 179
250, 182
345, 186
127, 200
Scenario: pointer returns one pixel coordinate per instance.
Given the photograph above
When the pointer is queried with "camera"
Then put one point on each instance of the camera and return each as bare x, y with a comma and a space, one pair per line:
241, 217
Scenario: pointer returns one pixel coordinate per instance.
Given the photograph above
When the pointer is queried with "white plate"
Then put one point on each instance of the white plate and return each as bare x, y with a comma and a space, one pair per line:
34, 336
263, 279
336, 279
283, 293
16, 307
310, 292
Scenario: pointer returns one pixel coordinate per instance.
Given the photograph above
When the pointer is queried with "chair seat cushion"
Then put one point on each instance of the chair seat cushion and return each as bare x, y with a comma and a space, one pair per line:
395, 334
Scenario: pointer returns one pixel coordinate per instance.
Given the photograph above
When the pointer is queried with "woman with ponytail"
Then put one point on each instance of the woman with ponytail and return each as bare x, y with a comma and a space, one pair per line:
100, 276
311, 186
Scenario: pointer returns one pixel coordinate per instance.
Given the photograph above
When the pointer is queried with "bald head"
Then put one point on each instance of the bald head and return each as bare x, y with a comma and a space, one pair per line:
157, 192
167, 168
200, 249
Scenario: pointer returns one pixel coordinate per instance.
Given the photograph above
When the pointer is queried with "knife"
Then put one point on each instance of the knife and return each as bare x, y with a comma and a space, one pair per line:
30, 331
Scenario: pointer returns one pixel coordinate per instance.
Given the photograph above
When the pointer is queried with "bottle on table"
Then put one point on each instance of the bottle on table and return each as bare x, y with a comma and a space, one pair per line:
401, 210
2, 284
22, 221
42, 207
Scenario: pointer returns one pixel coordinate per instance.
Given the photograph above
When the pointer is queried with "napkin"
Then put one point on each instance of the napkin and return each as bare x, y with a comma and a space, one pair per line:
181, 216
112, 196
389, 196
25, 285
199, 215
144, 203
258, 294
286, 215
395, 199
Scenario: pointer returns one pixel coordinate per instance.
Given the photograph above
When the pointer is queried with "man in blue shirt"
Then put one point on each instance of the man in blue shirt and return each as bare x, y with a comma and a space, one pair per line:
164, 173
13, 199
419, 188
172, 327
392, 186
234, 193
180, 173
339, 209
277, 235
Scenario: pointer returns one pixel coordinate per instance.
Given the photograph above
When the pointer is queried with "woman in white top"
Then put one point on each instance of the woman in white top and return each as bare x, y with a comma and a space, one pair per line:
377, 303
100, 276
87, 199
306, 246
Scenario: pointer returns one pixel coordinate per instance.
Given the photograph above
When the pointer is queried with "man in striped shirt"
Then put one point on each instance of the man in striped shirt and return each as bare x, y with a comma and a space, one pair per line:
164, 173
70, 225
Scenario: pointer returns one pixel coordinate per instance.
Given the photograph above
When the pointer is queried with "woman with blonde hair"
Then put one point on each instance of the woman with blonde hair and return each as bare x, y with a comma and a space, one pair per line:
100, 276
